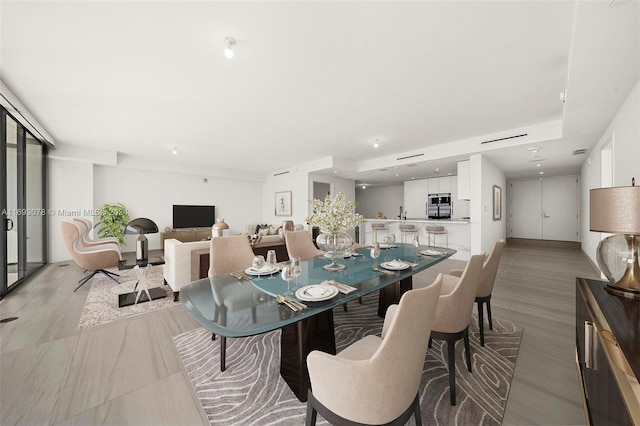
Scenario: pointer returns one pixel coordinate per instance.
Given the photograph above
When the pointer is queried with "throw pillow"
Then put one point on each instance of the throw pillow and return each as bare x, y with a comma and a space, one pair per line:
254, 239
263, 231
273, 230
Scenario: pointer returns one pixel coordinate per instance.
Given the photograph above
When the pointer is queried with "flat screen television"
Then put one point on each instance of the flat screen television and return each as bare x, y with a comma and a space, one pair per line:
187, 216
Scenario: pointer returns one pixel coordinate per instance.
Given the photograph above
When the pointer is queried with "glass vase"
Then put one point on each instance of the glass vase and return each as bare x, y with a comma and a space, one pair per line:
335, 245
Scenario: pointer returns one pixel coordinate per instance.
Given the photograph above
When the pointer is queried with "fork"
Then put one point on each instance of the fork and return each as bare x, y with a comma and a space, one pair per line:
284, 301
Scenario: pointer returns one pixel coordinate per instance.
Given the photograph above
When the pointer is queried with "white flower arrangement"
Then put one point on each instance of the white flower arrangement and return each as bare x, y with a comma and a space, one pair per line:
334, 214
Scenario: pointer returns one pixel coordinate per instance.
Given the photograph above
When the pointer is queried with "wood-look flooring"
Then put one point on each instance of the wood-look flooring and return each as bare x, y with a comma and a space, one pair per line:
128, 372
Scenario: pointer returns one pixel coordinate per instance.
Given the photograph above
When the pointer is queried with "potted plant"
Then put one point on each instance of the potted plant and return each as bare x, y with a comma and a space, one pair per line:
113, 221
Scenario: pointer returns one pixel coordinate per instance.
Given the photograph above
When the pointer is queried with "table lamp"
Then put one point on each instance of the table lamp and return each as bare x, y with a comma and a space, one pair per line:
219, 227
617, 210
141, 226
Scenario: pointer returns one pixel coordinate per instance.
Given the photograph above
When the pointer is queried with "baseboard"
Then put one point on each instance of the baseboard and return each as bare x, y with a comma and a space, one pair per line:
526, 242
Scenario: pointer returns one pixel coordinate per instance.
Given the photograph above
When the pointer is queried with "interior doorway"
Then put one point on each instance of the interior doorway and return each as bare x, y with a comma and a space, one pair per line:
321, 190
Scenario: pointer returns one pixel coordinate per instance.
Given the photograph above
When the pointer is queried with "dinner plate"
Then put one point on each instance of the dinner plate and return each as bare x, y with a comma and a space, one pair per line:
316, 292
431, 252
266, 270
395, 265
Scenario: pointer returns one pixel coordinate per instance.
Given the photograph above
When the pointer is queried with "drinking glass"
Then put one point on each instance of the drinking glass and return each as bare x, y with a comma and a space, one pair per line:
288, 274
271, 258
258, 262
416, 242
375, 253
296, 264
392, 238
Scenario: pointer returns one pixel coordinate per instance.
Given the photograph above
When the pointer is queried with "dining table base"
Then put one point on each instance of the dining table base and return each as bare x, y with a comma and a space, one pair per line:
297, 341
391, 294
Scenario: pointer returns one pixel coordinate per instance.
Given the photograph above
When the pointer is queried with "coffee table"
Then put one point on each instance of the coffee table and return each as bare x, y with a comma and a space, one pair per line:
128, 299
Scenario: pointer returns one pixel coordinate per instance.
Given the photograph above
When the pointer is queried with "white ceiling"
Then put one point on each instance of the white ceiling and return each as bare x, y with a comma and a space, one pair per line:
317, 79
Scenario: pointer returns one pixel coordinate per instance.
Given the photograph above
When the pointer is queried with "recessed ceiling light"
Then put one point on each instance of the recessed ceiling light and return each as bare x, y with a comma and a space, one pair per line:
538, 165
541, 173
412, 178
174, 151
364, 186
534, 149
335, 171
450, 174
437, 169
397, 174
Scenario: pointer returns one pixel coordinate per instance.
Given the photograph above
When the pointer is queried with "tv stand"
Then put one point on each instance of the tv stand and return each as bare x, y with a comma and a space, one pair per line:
186, 235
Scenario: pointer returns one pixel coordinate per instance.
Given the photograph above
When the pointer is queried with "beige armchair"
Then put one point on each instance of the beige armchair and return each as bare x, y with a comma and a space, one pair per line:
299, 244
376, 379
85, 227
453, 314
486, 281
229, 254
95, 259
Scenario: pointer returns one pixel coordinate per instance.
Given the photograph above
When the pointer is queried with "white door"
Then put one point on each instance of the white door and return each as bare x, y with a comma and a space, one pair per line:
560, 208
526, 205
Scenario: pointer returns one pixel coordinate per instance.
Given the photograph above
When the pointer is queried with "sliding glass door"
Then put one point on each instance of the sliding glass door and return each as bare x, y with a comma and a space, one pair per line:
22, 203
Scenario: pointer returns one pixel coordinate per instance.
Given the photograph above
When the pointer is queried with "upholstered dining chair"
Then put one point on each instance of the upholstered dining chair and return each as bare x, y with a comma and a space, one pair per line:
229, 254
95, 259
453, 314
87, 241
299, 244
376, 380
486, 280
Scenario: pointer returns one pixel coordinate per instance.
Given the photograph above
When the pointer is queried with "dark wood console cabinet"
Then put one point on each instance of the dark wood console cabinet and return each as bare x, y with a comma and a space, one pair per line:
608, 354
185, 236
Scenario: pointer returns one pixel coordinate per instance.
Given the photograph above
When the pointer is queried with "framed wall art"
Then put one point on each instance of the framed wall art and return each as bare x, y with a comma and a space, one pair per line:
283, 203
497, 202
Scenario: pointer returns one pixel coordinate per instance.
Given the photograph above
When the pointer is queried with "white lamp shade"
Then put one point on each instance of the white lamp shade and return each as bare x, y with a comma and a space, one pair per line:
615, 210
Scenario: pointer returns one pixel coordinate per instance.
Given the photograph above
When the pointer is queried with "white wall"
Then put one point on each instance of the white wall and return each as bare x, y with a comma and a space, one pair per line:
152, 194
624, 129
484, 230
384, 199
70, 194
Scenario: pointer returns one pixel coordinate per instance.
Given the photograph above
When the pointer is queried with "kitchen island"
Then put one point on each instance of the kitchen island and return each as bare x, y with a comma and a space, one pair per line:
458, 230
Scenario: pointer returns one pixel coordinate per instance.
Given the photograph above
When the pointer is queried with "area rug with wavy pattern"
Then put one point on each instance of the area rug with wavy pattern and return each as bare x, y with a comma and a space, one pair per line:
251, 391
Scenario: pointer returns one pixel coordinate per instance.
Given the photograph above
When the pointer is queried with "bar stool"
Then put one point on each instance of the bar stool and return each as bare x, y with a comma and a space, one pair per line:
433, 230
377, 227
407, 229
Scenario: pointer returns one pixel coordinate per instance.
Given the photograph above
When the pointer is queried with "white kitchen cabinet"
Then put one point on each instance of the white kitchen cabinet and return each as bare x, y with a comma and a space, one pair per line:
415, 198
464, 180
434, 185
444, 184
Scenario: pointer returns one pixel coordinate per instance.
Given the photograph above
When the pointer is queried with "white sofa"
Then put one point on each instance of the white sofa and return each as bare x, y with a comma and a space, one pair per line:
177, 262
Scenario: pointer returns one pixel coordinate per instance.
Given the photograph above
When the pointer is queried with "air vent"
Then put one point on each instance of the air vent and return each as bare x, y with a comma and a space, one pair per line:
537, 160
504, 139
383, 170
411, 165
281, 173
410, 156
579, 151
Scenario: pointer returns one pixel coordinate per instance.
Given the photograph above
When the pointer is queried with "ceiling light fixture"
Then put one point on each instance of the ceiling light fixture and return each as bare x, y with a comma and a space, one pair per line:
376, 144
174, 151
538, 165
397, 174
541, 173
364, 186
534, 149
228, 42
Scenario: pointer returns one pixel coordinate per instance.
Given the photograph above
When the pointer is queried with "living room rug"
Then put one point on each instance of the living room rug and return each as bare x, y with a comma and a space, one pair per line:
101, 305
251, 391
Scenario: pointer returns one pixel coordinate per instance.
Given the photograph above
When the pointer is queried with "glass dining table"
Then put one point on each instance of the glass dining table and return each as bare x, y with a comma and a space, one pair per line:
234, 306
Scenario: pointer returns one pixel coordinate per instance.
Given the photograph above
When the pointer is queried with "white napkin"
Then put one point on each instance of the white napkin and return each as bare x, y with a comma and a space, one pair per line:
342, 288
315, 291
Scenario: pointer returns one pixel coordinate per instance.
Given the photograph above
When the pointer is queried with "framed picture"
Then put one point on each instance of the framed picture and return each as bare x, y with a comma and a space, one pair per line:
497, 202
283, 203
